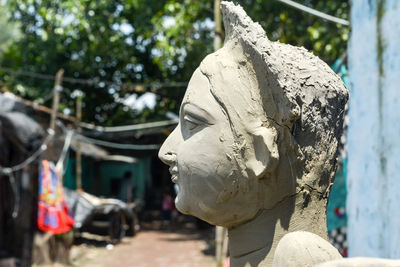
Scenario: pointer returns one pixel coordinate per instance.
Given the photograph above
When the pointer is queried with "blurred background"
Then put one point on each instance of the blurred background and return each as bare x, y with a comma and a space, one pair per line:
89, 90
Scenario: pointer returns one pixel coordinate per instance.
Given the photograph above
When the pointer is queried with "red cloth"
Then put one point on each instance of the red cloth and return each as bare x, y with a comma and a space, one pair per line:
53, 211
227, 262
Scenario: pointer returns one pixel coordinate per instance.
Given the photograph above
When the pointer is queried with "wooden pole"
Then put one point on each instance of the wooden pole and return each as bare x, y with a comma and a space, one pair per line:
49, 154
78, 145
56, 98
219, 231
40, 239
218, 25
219, 239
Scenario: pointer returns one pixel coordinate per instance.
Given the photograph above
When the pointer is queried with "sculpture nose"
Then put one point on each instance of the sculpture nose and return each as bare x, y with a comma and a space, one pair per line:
169, 158
167, 153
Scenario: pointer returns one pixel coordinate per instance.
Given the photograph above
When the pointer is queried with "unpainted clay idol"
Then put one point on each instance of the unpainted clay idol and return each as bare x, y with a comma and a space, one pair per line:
255, 149
303, 249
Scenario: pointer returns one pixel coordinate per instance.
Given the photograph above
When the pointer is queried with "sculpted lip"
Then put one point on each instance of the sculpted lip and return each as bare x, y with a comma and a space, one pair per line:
174, 173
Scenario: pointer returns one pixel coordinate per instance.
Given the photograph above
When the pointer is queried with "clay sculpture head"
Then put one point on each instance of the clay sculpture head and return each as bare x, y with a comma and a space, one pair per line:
257, 140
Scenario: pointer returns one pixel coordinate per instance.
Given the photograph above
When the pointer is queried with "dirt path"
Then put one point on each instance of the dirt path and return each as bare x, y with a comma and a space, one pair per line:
152, 248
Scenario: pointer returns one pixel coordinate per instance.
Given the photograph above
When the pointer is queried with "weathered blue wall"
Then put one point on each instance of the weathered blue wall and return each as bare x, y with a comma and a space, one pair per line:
373, 202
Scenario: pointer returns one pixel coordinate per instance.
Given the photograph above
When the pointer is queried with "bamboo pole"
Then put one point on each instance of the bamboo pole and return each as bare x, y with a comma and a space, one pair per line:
56, 98
78, 145
42, 240
218, 25
219, 239
49, 154
219, 231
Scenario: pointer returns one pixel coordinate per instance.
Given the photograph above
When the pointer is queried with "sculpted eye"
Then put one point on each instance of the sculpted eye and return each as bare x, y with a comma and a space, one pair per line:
194, 117
192, 122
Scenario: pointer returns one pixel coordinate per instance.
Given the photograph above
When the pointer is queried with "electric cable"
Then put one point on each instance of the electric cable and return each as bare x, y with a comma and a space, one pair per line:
118, 145
315, 12
91, 82
124, 128
68, 138
15, 190
107, 143
8, 170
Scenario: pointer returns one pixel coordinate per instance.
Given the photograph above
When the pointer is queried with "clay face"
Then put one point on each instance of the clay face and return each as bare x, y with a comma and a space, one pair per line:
200, 153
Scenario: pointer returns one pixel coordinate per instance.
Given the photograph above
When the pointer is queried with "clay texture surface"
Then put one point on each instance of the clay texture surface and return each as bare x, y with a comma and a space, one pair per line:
303, 249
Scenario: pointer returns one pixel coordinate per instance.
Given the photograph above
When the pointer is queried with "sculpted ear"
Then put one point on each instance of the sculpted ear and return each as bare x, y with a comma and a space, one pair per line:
264, 157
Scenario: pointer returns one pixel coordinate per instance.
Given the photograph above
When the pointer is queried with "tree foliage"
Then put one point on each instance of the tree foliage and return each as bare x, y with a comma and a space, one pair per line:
142, 41
9, 31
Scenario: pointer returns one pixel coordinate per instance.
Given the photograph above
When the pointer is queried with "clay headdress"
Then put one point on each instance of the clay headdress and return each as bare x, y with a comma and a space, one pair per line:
308, 98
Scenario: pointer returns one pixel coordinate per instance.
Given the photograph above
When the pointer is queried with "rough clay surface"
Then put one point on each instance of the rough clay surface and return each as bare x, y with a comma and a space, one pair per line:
255, 149
303, 249
299, 91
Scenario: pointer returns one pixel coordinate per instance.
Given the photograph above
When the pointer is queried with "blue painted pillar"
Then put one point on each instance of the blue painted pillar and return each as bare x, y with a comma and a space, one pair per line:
373, 182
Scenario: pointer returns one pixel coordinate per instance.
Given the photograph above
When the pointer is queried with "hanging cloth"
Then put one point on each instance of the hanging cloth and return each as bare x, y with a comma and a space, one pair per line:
53, 211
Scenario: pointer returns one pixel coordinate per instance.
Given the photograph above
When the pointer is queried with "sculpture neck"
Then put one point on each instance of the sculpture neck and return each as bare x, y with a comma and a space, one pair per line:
254, 242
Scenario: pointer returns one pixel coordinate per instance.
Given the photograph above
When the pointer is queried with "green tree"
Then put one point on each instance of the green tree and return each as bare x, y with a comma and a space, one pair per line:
138, 41
9, 31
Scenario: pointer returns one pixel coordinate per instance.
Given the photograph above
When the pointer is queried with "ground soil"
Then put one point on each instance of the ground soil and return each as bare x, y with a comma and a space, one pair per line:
186, 246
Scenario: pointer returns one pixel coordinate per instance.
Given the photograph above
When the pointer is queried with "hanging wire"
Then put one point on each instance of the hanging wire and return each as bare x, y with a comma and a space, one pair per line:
15, 190
124, 128
61, 160
342, 61
118, 145
91, 82
315, 12
107, 143
133, 87
9, 170
44, 99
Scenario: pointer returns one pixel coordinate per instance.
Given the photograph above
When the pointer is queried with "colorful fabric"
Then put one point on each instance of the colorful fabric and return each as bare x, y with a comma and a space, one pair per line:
338, 239
53, 211
336, 217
